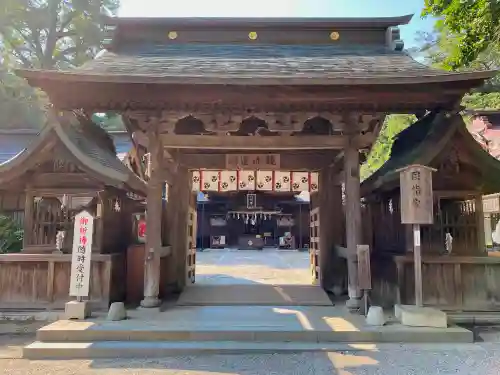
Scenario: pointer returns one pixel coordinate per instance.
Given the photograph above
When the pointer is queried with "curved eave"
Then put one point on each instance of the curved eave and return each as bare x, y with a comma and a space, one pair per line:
123, 180
27, 159
41, 77
24, 160
267, 23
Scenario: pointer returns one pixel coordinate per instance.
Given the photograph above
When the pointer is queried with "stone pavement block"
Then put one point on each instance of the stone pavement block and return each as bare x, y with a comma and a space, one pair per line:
375, 316
117, 311
422, 317
77, 310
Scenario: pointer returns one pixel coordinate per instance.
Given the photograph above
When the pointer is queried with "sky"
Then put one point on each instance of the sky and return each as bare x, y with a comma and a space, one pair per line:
284, 8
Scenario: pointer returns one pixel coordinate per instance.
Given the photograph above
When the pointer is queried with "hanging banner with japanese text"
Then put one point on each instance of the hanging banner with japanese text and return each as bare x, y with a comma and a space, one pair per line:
416, 194
82, 251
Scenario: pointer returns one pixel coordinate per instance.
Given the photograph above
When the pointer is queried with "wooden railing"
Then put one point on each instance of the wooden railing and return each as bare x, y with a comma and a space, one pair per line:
42, 280
456, 283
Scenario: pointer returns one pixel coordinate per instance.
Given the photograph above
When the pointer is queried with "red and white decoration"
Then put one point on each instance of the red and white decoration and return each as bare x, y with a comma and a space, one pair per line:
228, 181
283, 181
265, 180
246, 180
300, 181
210, 180
313, 182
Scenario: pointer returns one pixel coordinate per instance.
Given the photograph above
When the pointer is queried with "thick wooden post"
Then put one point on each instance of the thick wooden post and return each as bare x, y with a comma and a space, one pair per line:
153, 225
179, 204
326, 202
481, 238
184, 179
353, 220
169, 265
28, 216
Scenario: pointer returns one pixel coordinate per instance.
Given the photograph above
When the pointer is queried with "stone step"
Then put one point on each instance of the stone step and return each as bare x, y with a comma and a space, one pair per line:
141, 349
388, 333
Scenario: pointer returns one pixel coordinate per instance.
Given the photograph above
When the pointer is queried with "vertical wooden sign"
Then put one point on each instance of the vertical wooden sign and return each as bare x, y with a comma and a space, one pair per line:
364, 270
416, 209
416, 194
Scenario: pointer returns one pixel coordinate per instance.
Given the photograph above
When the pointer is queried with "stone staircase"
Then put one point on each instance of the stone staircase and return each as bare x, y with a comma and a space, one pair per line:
226, 329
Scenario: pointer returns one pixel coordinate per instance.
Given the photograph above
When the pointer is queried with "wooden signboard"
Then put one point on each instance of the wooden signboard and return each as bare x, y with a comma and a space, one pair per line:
253, 161
416, 194
251, 201
364, 270
82, 252
416, 209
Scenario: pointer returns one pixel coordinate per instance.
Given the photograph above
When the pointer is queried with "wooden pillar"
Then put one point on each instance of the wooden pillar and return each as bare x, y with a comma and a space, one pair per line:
153, 225
169, 267
28, 216
326, 202
480, 223
179, 195
488, 230
353, 220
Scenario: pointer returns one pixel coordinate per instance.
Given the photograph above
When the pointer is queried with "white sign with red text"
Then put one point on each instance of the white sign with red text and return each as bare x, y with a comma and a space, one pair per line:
82, 251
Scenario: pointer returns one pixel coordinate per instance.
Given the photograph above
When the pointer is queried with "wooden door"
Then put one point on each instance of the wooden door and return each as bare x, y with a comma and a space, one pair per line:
191, 246
314, 246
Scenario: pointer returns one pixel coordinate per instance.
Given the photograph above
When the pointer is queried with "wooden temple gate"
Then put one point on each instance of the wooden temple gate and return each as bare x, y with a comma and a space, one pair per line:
314, 91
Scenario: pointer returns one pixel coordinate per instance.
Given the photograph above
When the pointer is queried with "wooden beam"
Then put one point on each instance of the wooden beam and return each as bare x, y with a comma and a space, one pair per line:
318, 142
296, 162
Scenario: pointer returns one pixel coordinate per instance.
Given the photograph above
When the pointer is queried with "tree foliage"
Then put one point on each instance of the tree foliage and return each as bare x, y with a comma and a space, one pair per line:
21, 106
51, 34
11, 235
45, 34
381, 149
473, 24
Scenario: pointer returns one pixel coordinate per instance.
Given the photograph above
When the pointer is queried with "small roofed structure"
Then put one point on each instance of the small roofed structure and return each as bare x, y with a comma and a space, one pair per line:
453, 247
72, 157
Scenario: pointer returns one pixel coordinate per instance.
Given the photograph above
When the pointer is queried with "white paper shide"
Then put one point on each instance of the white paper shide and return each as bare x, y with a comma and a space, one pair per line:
82, 251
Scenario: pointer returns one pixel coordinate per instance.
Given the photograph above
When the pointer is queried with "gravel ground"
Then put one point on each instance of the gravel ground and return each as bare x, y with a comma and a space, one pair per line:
389, 359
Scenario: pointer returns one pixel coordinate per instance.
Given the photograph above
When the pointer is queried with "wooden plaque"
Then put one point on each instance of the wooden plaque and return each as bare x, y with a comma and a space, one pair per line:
364, 270
253, 161
416, 194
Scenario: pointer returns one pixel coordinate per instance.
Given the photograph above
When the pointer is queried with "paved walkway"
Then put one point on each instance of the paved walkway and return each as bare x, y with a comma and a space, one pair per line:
269, 277
388, 359
269, 266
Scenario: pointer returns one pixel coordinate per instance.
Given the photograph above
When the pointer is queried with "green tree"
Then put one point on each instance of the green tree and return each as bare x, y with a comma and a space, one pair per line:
11, 235
47, 34
475, 24
20, 105
51, 34
381, 149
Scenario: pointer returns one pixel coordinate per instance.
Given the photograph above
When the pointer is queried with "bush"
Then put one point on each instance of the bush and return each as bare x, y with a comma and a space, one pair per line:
11, 235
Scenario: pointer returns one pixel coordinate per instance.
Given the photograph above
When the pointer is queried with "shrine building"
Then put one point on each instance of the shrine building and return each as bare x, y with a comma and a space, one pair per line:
201, 97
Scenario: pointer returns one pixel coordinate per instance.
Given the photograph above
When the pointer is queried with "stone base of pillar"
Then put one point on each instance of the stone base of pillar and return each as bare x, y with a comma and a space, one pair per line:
353, 304
150, 302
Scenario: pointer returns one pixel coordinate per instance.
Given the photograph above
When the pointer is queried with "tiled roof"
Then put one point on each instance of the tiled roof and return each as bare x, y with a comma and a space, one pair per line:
254, 61
13, 142
102, 161
93, 151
